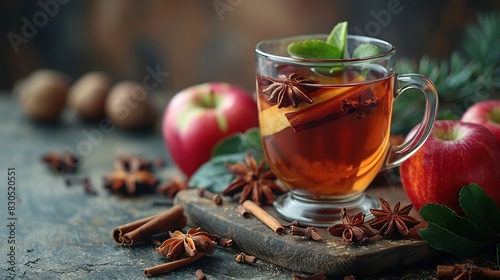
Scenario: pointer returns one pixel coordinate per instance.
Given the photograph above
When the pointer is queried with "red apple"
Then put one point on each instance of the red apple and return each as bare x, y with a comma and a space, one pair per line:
454, 155
486, 113
199, 116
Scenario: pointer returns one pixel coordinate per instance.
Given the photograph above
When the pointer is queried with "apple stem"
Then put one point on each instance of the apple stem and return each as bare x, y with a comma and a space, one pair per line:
211, 99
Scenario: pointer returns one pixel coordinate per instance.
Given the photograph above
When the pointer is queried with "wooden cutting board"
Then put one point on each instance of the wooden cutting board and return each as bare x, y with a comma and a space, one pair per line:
330, 255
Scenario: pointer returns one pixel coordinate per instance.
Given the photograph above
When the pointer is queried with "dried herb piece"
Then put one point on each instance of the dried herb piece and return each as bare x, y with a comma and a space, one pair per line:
191, 243
352, 228
172, 187
244, 258
309, 232
289, 90
85, 182
393, 221
217, 199
243, 212
130, 182
61, 162
318, 276
200, 275
292, 223
252, 181
224, 242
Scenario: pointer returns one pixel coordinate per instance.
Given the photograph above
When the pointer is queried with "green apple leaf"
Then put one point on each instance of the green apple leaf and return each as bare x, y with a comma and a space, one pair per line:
315, 49
449, 232
338, 37
213, 175
240, 143
481, 210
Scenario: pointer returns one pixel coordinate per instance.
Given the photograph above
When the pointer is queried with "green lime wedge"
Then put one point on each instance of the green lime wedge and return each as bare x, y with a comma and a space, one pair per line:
365, 50
315, 49
338, 37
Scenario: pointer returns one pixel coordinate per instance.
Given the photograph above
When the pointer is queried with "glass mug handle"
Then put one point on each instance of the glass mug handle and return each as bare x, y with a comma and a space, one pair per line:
400, 153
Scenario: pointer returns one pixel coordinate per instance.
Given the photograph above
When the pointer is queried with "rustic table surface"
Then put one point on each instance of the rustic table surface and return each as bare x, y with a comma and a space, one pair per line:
52, 231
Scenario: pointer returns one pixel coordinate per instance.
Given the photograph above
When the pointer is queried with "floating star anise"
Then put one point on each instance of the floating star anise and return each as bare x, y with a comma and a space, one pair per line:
289, 90
352, 228
362, 105
191, 243
391, 221
252, 181
61, 162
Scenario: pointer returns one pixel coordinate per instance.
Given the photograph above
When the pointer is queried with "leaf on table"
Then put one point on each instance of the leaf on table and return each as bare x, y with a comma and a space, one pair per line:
213, 175
481, 210
449, 232
240, 143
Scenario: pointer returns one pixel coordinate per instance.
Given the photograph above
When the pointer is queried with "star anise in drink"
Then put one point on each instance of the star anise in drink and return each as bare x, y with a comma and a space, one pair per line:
252, 181
289, 90
390, 222
61, 162
352, 229
191, 243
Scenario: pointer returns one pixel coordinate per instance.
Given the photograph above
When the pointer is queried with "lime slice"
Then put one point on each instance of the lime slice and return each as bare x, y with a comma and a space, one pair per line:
338, 37
316, 49
365, 50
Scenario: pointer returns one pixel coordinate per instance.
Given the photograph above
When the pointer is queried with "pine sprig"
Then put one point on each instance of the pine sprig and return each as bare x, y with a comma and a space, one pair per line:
470, 74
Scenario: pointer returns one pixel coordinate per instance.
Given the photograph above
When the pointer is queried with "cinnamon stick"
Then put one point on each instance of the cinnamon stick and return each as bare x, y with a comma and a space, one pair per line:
449, 271
263, 216
244, 258
173, 265
324, 112
131, 233
243, 212
118, 232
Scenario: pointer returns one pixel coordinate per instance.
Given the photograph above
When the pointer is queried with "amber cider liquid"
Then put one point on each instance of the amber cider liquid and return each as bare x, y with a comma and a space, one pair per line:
338, 151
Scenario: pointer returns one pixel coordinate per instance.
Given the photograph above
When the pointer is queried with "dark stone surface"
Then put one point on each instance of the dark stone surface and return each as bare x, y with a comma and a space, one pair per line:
63, 233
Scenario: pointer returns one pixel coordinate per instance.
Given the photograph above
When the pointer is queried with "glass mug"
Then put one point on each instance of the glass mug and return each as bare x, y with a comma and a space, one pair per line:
328, 146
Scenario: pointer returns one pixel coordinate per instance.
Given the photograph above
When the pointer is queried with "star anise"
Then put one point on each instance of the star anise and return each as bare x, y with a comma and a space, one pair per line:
352, 228
362, 105
135, 163
252, 181
466, 271
191, 243
172, 187
130, 183
61, 162
393, 221
289, 90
